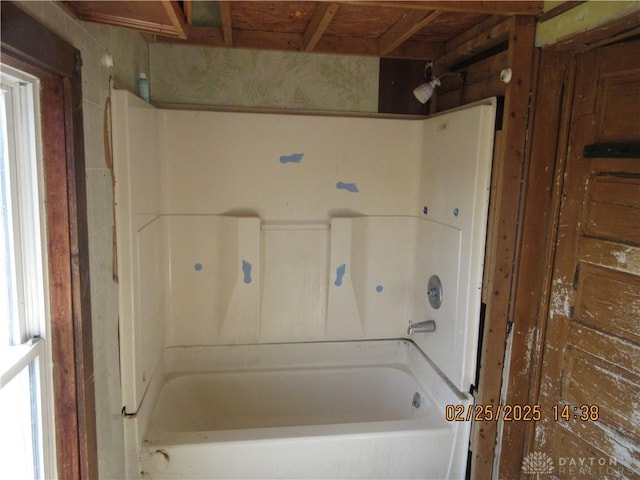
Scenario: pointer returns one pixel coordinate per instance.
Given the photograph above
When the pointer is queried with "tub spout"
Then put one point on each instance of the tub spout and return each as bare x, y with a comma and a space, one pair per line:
421, 327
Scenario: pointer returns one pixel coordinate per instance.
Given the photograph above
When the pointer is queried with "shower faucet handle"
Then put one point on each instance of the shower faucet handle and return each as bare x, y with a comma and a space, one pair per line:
434, 291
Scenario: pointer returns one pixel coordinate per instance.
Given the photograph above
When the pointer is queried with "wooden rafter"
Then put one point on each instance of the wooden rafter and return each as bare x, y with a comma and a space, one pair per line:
227, 27
490, 38
477, 30
485, 7
188, 11
319, 23
176, 17
410, 23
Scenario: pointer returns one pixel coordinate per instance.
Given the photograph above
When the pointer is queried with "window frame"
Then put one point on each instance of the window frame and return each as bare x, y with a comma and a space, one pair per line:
29, 46
29, 318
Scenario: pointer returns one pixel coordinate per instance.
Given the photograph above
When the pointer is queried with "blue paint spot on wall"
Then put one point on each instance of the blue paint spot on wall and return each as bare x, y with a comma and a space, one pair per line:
349, 187
340, 271
293, 158
197, 267
379, 288
246, 269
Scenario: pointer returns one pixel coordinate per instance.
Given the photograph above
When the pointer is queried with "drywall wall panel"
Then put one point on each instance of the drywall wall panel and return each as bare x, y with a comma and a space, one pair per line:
200, 75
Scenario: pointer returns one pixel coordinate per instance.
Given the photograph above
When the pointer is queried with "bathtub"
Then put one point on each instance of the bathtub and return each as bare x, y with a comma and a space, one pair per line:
358, 409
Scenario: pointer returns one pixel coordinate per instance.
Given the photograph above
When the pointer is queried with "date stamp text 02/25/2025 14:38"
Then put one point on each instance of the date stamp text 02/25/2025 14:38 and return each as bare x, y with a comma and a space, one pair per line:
519, 413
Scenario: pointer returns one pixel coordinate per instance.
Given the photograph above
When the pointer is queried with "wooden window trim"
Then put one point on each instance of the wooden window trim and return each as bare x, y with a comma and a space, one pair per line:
29, 46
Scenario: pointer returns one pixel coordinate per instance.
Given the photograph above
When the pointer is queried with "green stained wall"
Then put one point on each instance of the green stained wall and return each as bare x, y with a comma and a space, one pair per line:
263, 79
580, 19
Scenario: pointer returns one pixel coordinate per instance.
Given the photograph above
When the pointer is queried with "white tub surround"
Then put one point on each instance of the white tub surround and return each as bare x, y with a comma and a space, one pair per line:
240, 230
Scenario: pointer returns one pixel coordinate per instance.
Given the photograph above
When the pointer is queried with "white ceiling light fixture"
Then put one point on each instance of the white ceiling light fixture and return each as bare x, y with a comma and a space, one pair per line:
424, 91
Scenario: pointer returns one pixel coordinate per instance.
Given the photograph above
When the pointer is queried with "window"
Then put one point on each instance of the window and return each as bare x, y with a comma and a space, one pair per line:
28, 45
26, 436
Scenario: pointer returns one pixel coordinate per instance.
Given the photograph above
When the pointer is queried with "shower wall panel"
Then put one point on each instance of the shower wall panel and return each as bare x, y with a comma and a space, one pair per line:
290, 168
296, 174
142, 249
454, 186
244, 228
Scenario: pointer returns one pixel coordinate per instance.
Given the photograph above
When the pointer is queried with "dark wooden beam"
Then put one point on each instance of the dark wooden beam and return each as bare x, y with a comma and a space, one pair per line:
533, 8
476, 31
493, 36
318, 24
506, 200
227, 25
409, 24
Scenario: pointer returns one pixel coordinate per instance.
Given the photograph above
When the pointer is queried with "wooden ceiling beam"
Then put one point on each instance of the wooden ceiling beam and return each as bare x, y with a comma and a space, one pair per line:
490, 38
294, 42
176, 17
227, 26
476, 31
409, 24
418, 50
188, 11
318, 24
500, 7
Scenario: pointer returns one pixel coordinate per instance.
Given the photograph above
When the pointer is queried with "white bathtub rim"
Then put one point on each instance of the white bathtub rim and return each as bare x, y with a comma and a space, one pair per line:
157, 436
171, 351
141, 435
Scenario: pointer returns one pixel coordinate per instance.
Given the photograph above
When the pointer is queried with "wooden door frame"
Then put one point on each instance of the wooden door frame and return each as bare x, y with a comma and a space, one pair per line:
31, 47
552, 101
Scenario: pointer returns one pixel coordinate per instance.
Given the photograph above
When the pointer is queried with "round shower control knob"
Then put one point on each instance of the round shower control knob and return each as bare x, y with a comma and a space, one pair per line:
434, 291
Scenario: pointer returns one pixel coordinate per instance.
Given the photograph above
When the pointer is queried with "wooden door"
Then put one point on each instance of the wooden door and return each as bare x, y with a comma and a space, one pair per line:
590, 384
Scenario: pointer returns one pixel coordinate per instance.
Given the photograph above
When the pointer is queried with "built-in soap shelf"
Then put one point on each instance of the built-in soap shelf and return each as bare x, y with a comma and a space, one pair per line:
295, 226
251, 281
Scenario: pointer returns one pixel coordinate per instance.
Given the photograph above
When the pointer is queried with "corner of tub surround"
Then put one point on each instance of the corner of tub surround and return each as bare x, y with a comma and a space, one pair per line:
136, 422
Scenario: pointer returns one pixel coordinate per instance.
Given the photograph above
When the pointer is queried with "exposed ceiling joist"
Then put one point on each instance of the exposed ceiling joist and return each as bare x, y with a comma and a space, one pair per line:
319, 23
487, 7
397, 29
285, 41
176, 17
227, 27
403, 29
188, 11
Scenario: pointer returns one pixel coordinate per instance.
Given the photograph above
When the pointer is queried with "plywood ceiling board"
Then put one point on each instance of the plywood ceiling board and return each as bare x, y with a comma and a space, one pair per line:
363, 21
283, 17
